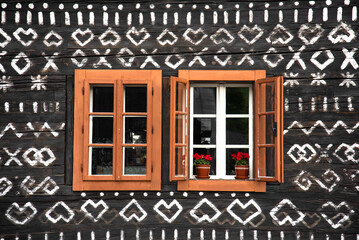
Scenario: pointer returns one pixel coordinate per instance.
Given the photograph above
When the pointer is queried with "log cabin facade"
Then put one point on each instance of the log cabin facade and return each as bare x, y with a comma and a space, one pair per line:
46, 46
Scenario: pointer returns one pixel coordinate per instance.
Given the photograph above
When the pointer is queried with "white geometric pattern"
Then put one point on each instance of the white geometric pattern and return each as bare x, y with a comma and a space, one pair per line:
99, 204
325, 64
27, 32
79, 33
51, 34
55, 216
293, 220
133, 215
165, 36
279, 35
48, 185
306, 31
194, 36
21, 215
142, 34
107, 35
7, 38
343, 215
205, 216
5, 186
250, 35
335, 36
17, 58
222, 35
244, 206
168, 207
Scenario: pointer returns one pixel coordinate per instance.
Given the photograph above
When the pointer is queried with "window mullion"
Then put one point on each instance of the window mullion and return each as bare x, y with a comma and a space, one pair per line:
191, 102
251, 133
221, 131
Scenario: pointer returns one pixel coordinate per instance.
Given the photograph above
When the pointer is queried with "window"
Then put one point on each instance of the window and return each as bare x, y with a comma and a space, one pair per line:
117, 121
221, 112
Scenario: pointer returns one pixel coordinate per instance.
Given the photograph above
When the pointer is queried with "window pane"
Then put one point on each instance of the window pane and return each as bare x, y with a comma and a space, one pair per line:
102, 129
269, 154
180, 163
181, 97
135, 160
204, 131
237, 130
101, 161
205, 100
181, 130
237, 100
102, 99
135, 129
135, 98
231, 162
270, 93
267, 125
205, 151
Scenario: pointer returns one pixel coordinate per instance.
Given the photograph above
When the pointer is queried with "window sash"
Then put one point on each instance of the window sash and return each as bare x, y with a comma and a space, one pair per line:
221, 116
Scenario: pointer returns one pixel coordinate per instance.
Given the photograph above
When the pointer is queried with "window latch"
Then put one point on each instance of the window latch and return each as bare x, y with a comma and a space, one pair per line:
274, 128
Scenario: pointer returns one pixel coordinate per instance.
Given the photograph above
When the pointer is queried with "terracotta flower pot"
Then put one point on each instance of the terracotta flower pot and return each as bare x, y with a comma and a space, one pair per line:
242, 171
203, 171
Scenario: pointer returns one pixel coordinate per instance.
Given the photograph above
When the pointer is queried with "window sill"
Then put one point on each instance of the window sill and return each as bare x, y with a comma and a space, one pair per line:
221, 185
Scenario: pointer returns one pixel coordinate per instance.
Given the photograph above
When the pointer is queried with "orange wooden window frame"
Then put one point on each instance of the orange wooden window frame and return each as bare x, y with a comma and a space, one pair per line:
185, 184
117, 181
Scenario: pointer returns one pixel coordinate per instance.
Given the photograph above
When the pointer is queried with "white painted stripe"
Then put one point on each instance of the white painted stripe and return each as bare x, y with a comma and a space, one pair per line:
355, 13
175, 234
298, 235
325, 14
137, 234
336, 104
129, 19
29, 17
163, 235
105, 19
140, 18
265, 15
175, 16
269, 235
165, 16
310, 15
21, 107
226, 235
325, 104
296, 15
93, 237
189, 18
255, 235
44, 107
300, 105
201, 235
340, 14
35, 107
17, 16
40, 19
238, 16
108, 236
281, 235
122, 235
280, 16
213, 234
201, 18
91, 18
52, 18
150, 237
286, 104
250, 16
241, 235
117, 19
313, 104
61, 236
6, 106
350, 106
80, 20
67, 18
215, 17
78, 235
153, 18
225, 16
3, 17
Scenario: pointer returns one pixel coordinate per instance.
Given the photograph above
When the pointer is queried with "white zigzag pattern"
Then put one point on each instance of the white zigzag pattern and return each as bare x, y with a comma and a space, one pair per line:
320, 123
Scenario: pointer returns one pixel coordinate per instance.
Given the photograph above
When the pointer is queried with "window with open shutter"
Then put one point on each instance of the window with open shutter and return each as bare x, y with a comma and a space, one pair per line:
222, 111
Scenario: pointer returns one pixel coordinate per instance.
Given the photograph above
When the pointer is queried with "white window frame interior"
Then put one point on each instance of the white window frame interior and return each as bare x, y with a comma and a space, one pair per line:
124, 127
91, 128
221, 117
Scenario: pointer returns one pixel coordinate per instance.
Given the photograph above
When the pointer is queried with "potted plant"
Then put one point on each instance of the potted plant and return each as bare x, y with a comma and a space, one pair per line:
202, 163
242, 165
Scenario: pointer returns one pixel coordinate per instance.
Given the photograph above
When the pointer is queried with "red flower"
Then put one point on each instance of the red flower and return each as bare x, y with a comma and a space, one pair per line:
196, 156
208, 157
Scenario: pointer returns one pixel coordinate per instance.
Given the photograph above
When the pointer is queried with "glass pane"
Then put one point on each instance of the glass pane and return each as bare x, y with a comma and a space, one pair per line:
267, 95
231, 162
135, 129
181, 97
237, 130
180, 164
267, 128
204, 131
135, 98
181, 130
269, 154
102, 129
205, 151
102, 99
135, 160
205, 100
237, 100
270, 100
100, 161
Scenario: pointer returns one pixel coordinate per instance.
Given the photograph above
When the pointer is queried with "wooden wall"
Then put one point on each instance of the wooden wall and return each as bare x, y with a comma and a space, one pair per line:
313, 44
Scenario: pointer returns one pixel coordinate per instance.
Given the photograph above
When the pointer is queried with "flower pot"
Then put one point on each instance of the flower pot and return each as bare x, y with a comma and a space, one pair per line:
242, 171
203, 171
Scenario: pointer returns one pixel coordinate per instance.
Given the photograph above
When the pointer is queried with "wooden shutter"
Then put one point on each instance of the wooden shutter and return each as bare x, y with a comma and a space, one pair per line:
179, 130
269, 129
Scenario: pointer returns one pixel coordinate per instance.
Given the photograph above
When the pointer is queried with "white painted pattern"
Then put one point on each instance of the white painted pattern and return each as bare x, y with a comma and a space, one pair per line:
320, 123
134, 215
205, 217
100, 204
277, 211
60, 211
5, 186
21, 215
251, 215
48, 185
163, 203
